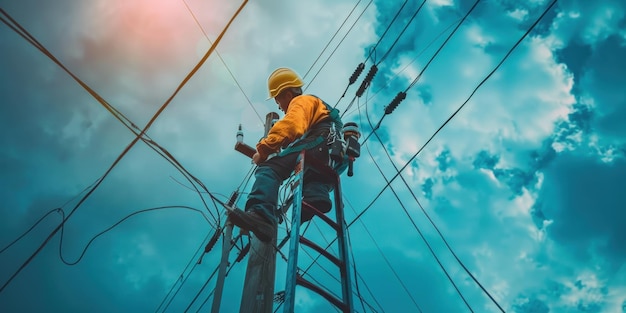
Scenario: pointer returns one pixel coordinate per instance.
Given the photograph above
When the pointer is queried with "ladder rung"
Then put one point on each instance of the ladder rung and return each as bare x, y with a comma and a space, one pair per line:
315, 288
323, 216
319, 249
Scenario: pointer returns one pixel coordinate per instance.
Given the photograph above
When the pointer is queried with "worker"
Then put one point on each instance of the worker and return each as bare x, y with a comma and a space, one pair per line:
307, 125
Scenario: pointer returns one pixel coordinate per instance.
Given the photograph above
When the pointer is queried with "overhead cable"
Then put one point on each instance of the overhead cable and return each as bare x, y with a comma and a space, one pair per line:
340, 42
333, 37
443, 125
119, 158
402, 95
223, 62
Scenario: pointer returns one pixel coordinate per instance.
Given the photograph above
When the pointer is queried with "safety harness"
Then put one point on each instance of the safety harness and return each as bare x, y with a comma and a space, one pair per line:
336, 126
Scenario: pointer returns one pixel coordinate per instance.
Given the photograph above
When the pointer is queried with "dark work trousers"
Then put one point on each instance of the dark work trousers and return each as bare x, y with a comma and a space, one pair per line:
270, 175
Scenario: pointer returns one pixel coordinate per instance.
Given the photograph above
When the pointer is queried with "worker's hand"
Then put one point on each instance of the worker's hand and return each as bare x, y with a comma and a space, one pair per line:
256, 158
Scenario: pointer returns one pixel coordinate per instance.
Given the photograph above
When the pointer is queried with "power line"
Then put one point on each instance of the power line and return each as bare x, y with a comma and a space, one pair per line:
395, 101
180, 277
402, 32
119, 158
114, 225
443, 125
333, 37
439, 129
223, 62
116, 113
340, 42
374, 68
373, 49
58, 210
456, 288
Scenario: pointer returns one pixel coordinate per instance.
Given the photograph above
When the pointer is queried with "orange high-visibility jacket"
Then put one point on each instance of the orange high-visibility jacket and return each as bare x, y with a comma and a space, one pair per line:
303, 112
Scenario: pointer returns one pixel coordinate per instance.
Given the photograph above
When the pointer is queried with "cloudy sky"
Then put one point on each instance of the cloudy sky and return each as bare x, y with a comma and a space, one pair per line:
526, 183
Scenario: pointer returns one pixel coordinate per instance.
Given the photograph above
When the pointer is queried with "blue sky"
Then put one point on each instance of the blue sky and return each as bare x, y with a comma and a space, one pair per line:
525, 182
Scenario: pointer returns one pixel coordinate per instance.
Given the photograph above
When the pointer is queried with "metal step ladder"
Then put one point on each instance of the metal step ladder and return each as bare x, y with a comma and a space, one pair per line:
342, 261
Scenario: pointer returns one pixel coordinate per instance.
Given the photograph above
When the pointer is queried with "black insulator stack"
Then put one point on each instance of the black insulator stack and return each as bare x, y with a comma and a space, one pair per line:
368, 79
395, 102
243, 253
213, 240
357, 72
235, 194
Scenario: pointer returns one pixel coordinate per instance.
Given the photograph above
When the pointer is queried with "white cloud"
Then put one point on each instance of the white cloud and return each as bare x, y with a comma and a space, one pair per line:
490, 226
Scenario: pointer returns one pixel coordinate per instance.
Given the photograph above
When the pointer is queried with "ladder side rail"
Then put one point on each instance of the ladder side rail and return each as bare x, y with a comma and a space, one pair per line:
292, 263
342, 238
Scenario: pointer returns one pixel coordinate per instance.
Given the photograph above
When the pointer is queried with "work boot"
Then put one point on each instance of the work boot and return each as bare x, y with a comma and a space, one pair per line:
254, 222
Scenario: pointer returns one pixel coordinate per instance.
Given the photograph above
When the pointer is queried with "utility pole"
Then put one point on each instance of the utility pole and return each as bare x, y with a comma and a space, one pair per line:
221, 276
226, 246
258, 289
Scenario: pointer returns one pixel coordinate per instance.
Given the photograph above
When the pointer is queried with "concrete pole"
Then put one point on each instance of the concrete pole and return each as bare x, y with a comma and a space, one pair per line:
258, 288
221, 275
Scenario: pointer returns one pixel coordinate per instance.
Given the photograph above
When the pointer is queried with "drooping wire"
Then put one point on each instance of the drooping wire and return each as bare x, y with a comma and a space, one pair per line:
114, 225
58, 210
232, 200
116, 113
137, 138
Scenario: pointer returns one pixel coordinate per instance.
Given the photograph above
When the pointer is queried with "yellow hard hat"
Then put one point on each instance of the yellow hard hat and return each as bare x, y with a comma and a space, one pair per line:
282, 78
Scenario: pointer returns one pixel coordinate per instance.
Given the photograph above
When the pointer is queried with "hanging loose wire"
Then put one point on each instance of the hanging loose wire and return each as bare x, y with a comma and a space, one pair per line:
59, 210
119, 158
232, 200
